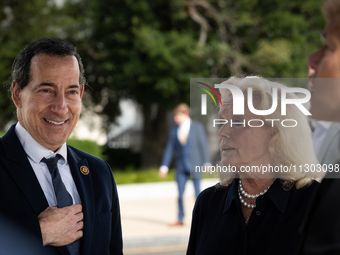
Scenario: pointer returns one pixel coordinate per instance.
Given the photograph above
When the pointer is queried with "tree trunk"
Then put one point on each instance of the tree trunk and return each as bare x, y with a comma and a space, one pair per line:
155, 135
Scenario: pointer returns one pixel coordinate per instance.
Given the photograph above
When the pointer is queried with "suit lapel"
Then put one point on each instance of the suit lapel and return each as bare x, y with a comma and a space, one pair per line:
20, 169
85, 189
332, 131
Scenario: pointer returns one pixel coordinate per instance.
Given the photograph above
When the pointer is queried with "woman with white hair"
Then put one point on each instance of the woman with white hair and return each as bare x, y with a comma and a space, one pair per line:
257, 212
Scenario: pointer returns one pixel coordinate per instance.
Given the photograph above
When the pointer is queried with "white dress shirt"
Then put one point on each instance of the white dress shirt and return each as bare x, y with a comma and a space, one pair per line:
35, 153
319, 134
184, 129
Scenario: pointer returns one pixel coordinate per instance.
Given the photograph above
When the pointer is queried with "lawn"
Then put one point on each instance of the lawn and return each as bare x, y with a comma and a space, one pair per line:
140, 176
148, 175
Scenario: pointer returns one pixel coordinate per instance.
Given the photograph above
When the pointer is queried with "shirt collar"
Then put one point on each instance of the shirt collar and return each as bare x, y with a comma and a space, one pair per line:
232, 192
36, 151
321, 124
276, 194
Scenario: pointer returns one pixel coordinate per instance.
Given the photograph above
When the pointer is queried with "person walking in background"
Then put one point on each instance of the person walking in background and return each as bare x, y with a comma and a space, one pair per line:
189, 141
65, 197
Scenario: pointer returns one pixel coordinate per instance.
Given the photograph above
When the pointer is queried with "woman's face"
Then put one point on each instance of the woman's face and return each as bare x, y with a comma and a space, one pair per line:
239, 145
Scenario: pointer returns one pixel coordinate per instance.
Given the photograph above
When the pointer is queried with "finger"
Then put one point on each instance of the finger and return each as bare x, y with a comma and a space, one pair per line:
80, 225
74, 237
79, 216
79, 234
76, 208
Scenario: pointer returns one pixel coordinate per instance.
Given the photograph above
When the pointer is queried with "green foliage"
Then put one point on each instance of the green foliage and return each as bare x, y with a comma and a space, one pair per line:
2, 133
87, 146
146, 175
148, 50
22, 22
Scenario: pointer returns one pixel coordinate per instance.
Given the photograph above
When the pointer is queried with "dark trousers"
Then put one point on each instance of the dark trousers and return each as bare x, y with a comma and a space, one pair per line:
181, 178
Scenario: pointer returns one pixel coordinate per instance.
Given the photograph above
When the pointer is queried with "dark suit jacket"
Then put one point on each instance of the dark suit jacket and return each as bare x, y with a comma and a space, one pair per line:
22, 198
322, 227
194, 153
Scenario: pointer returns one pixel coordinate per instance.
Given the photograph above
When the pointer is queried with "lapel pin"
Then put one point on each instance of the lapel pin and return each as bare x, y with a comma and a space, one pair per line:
84, 170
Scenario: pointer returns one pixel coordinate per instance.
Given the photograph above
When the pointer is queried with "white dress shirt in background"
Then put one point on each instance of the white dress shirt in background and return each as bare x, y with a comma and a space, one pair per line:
319, 134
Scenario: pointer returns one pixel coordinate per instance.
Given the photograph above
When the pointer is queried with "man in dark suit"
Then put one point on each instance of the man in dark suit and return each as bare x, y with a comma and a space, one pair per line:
189, 141
65, 197
322, 227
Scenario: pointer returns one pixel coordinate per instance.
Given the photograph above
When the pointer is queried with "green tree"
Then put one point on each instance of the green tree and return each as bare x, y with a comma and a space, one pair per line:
22, 22
148, 50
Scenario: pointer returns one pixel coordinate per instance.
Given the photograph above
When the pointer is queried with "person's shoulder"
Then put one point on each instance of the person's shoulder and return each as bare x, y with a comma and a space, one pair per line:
308, 189
311, 186
90, 158
212, 192
10, 142
197, 126
196, 123
174, 128
2, 151
211, 200
100, 170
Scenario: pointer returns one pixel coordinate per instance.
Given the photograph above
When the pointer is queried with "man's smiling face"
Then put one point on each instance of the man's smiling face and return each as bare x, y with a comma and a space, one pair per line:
49, 106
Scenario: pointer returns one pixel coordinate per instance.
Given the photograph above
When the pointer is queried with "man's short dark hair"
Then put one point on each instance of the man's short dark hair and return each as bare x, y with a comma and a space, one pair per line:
21, 72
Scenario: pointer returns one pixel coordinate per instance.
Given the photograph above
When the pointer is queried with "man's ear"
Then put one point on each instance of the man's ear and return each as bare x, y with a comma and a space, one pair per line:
16, 94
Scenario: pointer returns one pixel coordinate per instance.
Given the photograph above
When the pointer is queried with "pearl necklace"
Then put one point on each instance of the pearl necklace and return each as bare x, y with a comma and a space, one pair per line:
251, 196
241, 192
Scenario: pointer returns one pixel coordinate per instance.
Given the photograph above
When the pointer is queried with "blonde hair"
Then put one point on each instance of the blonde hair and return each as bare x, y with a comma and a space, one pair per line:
181, 108
289, 146
331, 10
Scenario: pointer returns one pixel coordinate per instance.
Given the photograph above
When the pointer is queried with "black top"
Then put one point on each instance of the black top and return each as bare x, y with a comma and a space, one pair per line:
322, 229
218, 225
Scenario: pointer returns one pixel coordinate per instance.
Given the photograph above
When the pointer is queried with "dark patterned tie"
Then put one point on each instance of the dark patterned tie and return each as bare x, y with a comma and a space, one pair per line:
63, 197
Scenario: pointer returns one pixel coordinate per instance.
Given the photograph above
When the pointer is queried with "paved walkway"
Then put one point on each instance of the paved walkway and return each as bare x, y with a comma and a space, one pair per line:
147, 211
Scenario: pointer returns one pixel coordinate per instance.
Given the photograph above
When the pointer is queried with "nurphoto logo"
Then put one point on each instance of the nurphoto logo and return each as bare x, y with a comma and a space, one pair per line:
239, 103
